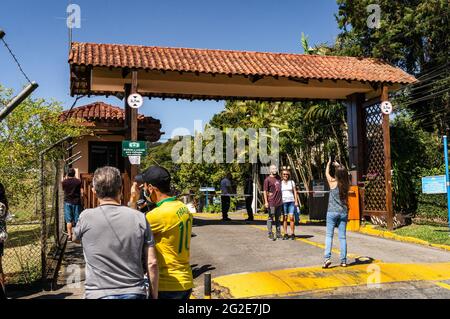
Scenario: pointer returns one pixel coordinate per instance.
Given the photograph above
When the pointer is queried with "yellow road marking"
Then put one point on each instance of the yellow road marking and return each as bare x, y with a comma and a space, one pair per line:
319, 245
309, 242
256, 217
293, 281
443, 285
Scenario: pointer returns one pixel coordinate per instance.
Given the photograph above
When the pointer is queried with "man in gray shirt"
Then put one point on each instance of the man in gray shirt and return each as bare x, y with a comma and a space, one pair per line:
117, 240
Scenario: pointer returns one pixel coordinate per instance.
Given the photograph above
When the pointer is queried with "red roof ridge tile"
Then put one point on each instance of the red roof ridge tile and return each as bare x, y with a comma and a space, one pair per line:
98, 110
228, 51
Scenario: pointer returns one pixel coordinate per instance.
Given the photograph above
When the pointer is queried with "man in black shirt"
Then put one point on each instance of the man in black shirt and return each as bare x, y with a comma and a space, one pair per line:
72, 200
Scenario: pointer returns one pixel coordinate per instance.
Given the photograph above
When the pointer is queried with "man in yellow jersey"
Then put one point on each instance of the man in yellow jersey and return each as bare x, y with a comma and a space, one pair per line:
171, 224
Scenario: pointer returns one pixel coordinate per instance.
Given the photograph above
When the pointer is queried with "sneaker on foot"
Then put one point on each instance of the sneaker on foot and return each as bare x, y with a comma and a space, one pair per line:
343, 264
271, 237
293, 237
285, 236
326, 264
279, 235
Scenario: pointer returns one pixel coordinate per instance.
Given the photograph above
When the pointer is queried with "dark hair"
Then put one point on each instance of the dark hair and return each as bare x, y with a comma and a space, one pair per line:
71, 172
341, 175
164, 187
107, 182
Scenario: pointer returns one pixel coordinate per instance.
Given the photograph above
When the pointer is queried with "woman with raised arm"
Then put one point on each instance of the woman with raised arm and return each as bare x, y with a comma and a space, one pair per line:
337, 212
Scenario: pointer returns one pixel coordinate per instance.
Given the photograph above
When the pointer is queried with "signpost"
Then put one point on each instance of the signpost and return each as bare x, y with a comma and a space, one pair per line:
447, 178
206, 190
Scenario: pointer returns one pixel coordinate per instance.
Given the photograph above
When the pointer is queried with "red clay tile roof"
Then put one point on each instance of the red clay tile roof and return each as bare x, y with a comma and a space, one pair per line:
100, 111
237, 62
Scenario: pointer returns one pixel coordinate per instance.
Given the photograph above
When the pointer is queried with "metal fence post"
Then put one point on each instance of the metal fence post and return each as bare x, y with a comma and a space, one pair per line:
43, 219
207, 286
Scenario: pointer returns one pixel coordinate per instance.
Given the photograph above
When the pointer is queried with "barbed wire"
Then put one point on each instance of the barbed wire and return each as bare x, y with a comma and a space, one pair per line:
16, 60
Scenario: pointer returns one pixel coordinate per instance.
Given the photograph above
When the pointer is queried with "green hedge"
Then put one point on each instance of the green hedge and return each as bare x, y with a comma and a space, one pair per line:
432, 206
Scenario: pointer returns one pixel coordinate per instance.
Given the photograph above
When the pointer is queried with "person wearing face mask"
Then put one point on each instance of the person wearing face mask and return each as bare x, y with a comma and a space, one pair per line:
171, 223
144, 204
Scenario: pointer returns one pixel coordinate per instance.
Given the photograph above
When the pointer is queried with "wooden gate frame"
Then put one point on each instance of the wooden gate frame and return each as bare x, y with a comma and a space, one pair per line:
358, 147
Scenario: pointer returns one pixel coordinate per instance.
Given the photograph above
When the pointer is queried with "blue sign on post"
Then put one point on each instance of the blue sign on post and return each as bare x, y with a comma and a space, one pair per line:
447, 175
434, 184
207, 190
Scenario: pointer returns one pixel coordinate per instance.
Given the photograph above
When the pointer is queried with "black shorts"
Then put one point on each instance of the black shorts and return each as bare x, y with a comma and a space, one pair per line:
2, 246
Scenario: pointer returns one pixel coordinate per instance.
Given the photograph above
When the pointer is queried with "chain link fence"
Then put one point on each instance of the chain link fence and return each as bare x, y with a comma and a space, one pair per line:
36, 223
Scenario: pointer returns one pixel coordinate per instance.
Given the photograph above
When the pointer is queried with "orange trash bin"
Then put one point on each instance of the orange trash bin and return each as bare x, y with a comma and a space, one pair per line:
353, 209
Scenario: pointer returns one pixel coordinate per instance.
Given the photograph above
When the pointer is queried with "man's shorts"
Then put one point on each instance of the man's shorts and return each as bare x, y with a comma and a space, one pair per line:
71, 213
288, 209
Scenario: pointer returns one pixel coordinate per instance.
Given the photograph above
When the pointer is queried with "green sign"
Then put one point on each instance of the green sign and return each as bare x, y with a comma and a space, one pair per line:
134, 148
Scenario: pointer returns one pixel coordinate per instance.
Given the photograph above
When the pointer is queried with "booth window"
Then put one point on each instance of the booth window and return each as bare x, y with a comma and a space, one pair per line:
105, 154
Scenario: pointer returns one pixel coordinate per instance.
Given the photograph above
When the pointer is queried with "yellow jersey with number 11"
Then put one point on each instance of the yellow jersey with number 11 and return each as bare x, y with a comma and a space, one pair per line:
171, 224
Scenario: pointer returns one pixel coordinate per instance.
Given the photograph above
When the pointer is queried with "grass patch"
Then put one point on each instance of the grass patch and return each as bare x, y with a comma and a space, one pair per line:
432, 234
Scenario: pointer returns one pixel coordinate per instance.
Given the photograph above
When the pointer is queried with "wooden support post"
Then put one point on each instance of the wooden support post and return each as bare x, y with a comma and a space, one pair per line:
387, 161
131, 132
134, 122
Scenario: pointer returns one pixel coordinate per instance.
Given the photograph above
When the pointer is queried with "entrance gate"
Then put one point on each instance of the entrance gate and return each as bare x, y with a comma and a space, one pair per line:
120, 70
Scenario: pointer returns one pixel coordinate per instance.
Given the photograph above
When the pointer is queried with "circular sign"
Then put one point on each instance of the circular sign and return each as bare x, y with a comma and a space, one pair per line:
135, 100
386, 107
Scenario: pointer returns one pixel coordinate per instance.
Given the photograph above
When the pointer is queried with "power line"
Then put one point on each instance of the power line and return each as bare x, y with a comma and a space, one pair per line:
17, 62
73, 104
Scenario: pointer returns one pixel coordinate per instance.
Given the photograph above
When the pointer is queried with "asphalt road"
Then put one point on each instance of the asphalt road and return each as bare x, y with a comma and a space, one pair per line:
226, 248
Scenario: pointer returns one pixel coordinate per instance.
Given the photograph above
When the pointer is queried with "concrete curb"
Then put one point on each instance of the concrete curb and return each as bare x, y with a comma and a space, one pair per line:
389, 235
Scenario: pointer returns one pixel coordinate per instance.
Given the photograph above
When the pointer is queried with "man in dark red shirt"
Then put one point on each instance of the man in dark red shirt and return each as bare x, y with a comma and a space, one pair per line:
72, 200
273, 201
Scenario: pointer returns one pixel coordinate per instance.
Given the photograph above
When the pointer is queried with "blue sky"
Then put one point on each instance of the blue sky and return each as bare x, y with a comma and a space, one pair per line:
37, 33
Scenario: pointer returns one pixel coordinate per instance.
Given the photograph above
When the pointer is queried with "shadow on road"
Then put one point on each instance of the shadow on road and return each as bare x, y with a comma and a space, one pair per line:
208, 222
198, 271
62, 295
362, 260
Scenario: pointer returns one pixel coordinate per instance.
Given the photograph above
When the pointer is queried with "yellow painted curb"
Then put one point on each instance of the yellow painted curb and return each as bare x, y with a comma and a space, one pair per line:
443, 285
389, 235
293, 281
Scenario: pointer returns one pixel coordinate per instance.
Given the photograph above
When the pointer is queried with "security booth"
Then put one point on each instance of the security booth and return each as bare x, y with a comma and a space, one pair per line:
165, 72
104, 146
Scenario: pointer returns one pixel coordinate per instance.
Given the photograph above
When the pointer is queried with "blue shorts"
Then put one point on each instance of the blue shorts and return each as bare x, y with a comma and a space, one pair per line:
71, 213
288, 208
